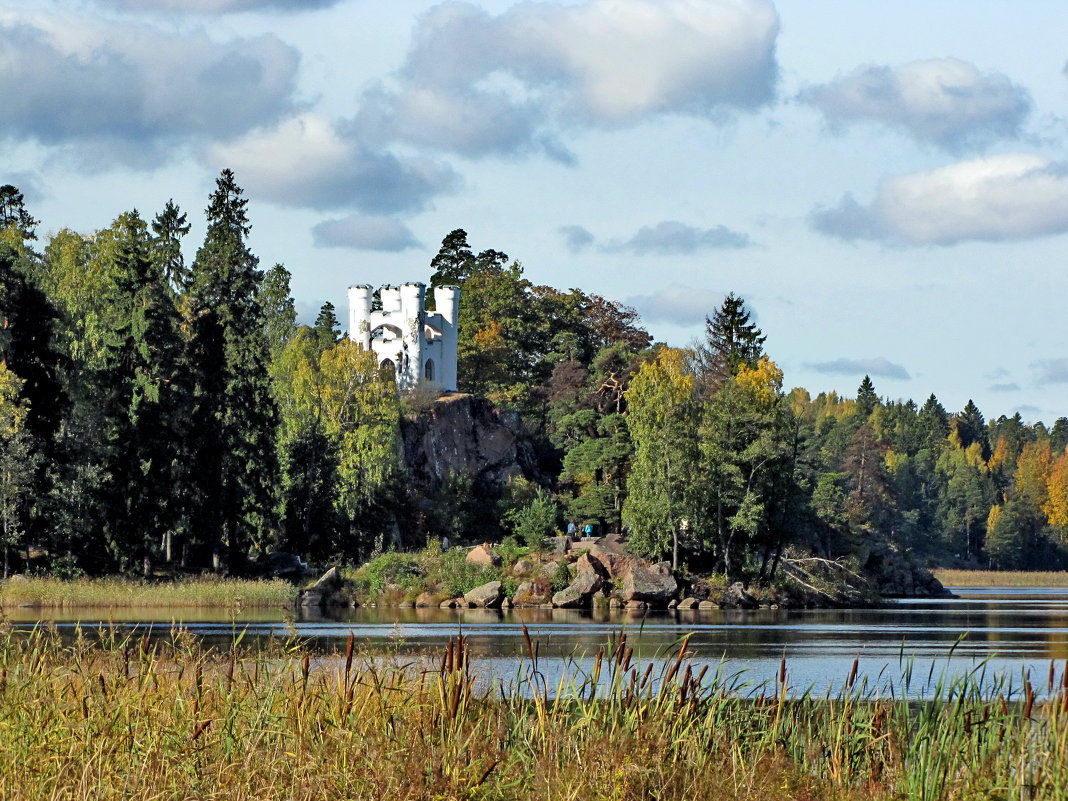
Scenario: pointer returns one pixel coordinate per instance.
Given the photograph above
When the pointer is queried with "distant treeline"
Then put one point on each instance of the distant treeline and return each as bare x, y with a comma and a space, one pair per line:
162, 415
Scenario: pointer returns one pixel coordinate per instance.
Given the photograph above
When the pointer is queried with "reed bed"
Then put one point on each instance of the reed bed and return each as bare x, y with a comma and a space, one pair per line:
999, 578
120, 592
133, 718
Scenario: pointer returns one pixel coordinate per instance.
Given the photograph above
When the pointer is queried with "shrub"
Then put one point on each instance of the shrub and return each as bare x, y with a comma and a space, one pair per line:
389, 568
537, 520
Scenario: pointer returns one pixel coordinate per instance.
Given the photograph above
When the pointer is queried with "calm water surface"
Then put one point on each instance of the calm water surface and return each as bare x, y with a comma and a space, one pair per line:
1006, 630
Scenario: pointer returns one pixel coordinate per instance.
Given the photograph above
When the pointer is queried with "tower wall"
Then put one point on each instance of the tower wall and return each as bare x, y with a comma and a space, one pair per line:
360, 315
447, 300
404, 340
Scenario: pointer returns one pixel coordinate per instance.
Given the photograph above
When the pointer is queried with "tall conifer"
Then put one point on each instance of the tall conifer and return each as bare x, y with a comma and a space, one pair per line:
234, 415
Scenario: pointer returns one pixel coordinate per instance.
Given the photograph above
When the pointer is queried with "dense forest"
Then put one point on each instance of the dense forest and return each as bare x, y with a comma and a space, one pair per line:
163, 416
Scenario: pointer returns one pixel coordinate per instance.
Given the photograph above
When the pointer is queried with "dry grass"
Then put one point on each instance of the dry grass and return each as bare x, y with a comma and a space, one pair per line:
120, 592
135, 719
998, 578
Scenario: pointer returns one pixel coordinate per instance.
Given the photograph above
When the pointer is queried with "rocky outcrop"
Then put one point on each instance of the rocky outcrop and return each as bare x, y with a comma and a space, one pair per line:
896, 575
483, 556
739, 597
466, 435
318, 594
652, 584
488, 596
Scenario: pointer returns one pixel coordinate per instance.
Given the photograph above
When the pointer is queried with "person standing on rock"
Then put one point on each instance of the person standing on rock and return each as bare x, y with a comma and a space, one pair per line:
571, 529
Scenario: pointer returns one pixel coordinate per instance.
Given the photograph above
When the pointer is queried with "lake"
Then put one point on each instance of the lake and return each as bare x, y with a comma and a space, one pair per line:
1005, 629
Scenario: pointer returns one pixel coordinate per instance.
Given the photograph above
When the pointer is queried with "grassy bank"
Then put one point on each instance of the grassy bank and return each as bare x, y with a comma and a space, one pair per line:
137, 720
996, 578
120, 592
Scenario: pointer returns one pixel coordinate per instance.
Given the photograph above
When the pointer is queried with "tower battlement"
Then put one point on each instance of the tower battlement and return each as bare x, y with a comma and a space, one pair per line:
419, 345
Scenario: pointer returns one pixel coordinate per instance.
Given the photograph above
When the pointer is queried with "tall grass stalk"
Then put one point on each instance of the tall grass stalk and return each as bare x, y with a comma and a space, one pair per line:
123, 716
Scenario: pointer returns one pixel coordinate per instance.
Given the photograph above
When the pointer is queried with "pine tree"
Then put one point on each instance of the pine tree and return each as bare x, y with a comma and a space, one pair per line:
13, 214
234, 419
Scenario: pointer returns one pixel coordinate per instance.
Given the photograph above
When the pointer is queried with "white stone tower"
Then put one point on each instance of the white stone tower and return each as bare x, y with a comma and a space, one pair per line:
420, 346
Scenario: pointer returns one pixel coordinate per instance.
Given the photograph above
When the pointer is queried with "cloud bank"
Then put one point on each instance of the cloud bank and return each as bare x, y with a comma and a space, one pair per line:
945, 102
671, 237
878, 367
309, 161
74, 81
479, 84
677, 304
365, 233
995, 199
217, 6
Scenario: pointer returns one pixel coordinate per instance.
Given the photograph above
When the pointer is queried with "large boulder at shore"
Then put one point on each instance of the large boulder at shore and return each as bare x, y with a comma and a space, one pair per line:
488, 596
653, 584
896, 575
737, 596
587, 563
484, 556
580, 592
617, 564
319, 593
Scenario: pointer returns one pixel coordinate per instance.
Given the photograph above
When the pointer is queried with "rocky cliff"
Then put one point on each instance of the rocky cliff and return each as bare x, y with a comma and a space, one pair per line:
466, 435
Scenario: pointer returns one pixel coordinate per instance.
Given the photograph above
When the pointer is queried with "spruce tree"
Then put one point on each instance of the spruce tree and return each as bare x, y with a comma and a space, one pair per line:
971, 427
279, 314
144, 391
867, 398
731, 342
169, 227
327, 329
934, 422
234, 418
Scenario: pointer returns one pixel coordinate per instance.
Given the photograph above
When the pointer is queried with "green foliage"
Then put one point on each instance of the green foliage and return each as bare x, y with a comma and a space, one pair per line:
403, 569
234, 416
537, 521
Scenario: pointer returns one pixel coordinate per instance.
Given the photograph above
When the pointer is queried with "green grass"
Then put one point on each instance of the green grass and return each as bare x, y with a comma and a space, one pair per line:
997, 578
120, 592
137, 719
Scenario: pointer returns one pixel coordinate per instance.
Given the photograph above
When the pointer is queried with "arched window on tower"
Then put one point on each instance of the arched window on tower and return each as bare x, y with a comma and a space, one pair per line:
428, 372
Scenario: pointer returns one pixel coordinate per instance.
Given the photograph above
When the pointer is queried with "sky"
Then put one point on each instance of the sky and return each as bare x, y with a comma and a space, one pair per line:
886, 185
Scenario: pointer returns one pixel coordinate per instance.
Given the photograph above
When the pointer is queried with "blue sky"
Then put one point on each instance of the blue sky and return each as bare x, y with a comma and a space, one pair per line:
886, 185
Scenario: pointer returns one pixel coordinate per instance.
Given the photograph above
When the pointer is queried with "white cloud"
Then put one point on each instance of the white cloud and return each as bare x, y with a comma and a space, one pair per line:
307, 160
999, 198
878, 367
945, 101
68, 80
671, 237
476, 83
365, 233
677, 304
217, 6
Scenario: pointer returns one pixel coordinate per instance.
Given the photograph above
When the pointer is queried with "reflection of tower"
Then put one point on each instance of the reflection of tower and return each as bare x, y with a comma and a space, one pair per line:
420, 346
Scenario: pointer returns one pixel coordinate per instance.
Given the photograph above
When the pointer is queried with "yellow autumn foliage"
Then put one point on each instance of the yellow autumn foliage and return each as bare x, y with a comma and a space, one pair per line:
1056, 506
763, 382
